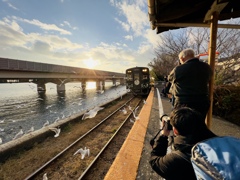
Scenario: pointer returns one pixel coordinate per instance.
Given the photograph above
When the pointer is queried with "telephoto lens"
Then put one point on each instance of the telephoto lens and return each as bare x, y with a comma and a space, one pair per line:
166, 118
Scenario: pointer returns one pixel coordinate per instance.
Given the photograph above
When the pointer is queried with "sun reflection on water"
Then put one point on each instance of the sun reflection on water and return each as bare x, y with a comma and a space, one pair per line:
91, 85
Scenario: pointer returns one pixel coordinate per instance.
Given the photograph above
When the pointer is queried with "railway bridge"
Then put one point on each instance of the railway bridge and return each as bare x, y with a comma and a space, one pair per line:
18, 71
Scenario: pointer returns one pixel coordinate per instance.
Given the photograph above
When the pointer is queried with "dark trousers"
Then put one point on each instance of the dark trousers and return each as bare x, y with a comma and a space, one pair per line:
201, 107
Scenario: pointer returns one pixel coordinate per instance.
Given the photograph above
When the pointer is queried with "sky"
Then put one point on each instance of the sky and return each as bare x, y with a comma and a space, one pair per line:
109, 35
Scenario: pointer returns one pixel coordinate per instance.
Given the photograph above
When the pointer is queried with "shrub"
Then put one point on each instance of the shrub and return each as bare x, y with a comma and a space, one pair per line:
226, 103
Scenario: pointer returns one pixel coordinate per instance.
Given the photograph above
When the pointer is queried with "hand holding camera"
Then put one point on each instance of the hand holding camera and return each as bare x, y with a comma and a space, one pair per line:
166, 128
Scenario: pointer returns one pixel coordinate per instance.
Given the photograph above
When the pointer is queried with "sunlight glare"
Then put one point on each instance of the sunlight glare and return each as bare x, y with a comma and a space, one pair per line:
90, 63
91, 85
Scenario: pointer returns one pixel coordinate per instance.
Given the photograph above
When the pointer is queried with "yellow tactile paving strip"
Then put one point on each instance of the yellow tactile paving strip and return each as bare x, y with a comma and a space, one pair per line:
125, 165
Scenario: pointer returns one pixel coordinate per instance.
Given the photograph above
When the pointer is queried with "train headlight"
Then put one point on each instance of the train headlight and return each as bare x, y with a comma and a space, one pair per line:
136, 82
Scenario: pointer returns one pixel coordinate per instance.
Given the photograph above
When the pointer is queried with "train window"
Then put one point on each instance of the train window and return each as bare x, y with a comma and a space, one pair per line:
145, 76
129, 77
136, 76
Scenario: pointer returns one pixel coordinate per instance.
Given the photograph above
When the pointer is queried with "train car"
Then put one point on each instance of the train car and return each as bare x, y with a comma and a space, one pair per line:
138, 80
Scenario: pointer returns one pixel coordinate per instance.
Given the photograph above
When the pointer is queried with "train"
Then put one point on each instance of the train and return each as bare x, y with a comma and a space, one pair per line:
138, 80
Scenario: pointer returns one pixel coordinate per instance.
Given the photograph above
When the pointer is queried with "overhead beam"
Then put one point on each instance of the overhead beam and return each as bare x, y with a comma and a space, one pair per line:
151, 13
217, 6
231, 26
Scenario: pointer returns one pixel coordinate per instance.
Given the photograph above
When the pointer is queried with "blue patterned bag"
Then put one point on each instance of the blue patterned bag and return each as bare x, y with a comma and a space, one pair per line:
217, 159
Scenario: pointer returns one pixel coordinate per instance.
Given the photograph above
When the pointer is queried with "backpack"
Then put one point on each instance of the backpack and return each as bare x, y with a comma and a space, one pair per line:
217, 158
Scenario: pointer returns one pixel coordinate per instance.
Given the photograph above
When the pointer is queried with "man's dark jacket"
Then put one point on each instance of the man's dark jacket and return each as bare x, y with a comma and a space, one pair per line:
190, 81
173, 166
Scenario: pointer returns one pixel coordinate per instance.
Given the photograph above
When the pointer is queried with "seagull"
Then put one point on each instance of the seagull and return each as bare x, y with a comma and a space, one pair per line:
83, 152
40, 99
19, 134
45, 176
134, 113
56, 120
144, 101
1, 129
124, 110
62, 81
92, 113
1, 140
30, 130
100, 91
56, 130
46, 124
129, 107
132, 121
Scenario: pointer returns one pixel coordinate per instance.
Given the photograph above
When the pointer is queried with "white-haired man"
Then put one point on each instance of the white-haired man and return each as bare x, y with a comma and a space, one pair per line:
190, 82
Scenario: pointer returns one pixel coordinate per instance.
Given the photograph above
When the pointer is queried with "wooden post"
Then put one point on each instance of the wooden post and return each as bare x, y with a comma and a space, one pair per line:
211, 62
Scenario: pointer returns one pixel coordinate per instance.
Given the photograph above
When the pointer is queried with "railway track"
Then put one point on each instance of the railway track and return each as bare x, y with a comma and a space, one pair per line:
101, 139
96, 139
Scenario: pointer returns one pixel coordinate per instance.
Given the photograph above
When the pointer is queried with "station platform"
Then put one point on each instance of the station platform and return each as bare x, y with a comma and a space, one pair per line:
132, 160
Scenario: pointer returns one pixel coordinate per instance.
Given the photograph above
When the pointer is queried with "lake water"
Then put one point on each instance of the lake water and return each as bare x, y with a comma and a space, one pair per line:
22, 106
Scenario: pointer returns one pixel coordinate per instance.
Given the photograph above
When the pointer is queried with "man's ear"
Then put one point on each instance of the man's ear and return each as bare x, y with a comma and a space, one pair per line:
175, 131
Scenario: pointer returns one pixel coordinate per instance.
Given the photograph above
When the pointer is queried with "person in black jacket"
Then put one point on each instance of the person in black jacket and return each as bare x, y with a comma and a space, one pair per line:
188, 130
190, 82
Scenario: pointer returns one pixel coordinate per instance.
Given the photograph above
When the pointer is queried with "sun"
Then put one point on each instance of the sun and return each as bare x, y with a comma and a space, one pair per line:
90, 63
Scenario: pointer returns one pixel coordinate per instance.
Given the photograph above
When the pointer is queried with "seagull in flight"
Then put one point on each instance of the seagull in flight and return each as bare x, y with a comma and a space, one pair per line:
83, 152
134, 113
56, 130
45, 176
132, 121
92, 113
62, 81
124, 110
129, 107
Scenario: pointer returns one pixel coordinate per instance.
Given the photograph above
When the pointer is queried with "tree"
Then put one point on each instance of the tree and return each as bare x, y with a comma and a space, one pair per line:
227, 69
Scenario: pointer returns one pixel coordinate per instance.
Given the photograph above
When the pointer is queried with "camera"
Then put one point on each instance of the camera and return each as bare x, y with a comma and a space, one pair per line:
166, 118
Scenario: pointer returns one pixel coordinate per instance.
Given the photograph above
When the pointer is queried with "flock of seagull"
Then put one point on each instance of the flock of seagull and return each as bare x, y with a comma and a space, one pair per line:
57, 130
89, 114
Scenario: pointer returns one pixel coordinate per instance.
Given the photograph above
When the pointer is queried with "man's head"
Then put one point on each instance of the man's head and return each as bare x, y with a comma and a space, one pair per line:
186, 54
185, 121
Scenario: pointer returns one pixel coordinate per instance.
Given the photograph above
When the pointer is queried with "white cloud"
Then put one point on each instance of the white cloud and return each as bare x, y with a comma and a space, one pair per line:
48, 27
66, 23
128, 37
136, 18
12, 32
152, 37
10, 5
124, 25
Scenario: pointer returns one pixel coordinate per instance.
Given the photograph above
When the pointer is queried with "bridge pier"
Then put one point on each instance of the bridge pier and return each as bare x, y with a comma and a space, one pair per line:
84, 84
114, 82
60, 88
103, 85
41, 87
122, 81
100, 85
